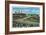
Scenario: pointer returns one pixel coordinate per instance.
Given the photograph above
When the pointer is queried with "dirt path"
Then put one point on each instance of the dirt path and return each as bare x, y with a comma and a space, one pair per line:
23, 21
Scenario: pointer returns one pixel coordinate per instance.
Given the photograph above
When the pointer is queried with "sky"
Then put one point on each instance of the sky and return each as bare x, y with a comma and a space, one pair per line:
27, 10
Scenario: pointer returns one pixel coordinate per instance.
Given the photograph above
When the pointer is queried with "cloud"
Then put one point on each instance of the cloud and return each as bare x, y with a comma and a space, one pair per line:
27, 10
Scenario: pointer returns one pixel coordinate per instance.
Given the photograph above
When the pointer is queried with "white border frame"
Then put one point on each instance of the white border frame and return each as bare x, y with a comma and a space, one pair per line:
24, 29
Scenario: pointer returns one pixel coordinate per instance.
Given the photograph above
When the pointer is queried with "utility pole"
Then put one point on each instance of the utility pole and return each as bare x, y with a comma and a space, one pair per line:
20, 11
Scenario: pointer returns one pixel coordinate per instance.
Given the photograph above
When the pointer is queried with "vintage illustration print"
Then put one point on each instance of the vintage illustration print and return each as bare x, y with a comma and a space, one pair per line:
26, 16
